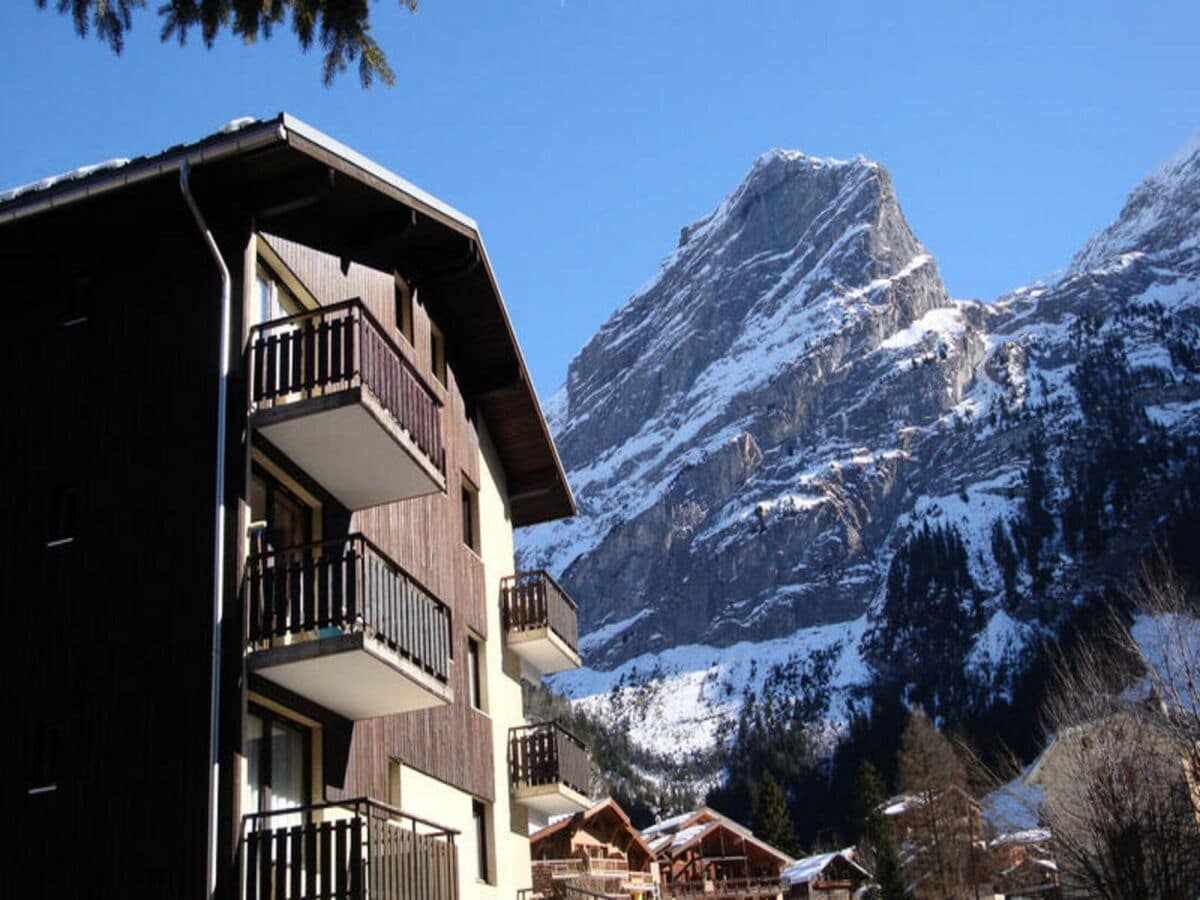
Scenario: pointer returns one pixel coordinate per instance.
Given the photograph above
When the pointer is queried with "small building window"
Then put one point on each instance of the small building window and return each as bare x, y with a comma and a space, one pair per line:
474, 674
78, 303
64, 515
43, 750
437, 353
470, 516
482, 848
395, 768
404, 309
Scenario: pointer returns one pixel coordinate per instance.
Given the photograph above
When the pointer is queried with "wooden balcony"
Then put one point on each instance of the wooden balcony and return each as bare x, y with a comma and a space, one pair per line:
340, 623
726, 889
541, 622
330, 389
352, 850
549, 769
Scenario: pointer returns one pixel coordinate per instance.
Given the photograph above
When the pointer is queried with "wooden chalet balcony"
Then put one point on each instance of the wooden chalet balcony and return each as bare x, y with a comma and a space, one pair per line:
549, 769
340, 623
541, 622
332, 390
351, 850
726, 889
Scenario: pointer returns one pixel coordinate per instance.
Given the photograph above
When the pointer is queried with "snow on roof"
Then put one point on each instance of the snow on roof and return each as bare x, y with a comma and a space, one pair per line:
1027, 836
670, 824
685, 836
44, 184
900, 804
289, 123
805, 870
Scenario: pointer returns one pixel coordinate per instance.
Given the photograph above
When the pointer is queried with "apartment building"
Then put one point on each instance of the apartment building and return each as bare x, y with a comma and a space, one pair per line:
269, 436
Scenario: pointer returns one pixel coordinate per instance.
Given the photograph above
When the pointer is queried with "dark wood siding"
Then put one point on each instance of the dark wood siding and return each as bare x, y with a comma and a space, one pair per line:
424, 535
107, 658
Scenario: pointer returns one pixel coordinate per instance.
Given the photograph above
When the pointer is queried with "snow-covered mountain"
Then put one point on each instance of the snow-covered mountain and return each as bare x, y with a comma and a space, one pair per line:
761, 434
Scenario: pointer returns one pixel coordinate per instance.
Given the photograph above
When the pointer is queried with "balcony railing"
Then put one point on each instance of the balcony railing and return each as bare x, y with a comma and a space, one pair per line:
300, 598
726, 889
322, 379
535, 606
547, 754
351, 850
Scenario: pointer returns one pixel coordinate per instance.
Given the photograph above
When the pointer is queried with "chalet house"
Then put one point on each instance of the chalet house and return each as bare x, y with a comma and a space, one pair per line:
272, 437
1129, 770
595, 850
827, 876
942, 834
705, 853
1024, 864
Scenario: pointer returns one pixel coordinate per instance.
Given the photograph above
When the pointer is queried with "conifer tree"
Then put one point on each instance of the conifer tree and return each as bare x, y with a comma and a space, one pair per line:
876, 843
343, 27
938, 822
771, 820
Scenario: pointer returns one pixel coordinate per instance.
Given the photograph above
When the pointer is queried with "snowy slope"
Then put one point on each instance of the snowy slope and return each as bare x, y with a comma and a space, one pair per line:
758, 430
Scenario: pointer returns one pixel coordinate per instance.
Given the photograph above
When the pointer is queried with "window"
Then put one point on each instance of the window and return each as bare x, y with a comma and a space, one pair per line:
483, 851
42, 777
278, 757
474, 676
78, 302
404, 309
64, 515
394, 770
470, 517
437, 353
272, 300
289, 520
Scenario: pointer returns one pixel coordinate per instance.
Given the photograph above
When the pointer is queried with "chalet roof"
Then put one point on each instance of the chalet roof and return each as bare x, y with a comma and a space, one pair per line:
573, 823
306, 186
903, 803
1026, 836
676, 834
802, 871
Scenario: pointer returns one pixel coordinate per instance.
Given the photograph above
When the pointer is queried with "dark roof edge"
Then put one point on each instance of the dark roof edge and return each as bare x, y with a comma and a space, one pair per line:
251, 137
208, 149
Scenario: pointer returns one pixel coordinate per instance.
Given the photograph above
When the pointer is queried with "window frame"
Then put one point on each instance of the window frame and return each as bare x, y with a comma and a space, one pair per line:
405, 299
483, 831
437, 353
269, 717
475, 681
469, 511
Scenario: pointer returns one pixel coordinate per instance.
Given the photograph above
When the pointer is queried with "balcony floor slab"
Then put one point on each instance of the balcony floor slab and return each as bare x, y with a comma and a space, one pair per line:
351, 447
352, 674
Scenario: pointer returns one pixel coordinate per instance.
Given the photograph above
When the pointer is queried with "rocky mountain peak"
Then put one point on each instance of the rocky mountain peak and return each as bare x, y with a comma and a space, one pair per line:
1161, 212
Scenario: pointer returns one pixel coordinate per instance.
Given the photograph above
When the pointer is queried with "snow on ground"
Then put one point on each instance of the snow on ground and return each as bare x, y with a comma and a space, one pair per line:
943, 321
606, 631
678, 698
1013, 806
999, 644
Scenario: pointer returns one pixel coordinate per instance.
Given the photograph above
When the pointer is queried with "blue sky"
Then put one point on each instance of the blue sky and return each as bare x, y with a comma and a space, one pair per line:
583, 134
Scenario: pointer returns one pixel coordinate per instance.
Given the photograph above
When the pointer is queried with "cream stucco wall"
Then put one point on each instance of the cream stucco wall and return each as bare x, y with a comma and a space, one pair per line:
423, 796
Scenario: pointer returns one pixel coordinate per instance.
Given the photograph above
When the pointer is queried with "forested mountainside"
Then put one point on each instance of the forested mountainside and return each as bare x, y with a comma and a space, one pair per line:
805, 472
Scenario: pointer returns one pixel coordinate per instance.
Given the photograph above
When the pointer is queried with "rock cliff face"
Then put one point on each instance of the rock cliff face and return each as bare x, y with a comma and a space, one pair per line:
760, 429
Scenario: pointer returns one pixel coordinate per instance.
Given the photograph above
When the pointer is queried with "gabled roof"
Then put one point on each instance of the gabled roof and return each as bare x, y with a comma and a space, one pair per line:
673, 836
572, 823
307, 187
802, 871
902, 803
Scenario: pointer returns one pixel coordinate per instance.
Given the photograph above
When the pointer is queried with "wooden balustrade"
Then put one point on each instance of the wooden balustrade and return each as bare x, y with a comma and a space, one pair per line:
322, 351
358, 850
547, 753
534, 600
347, 584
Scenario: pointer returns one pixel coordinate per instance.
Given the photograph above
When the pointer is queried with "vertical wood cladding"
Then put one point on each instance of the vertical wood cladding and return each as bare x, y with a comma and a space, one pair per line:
107, 673
424, 535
